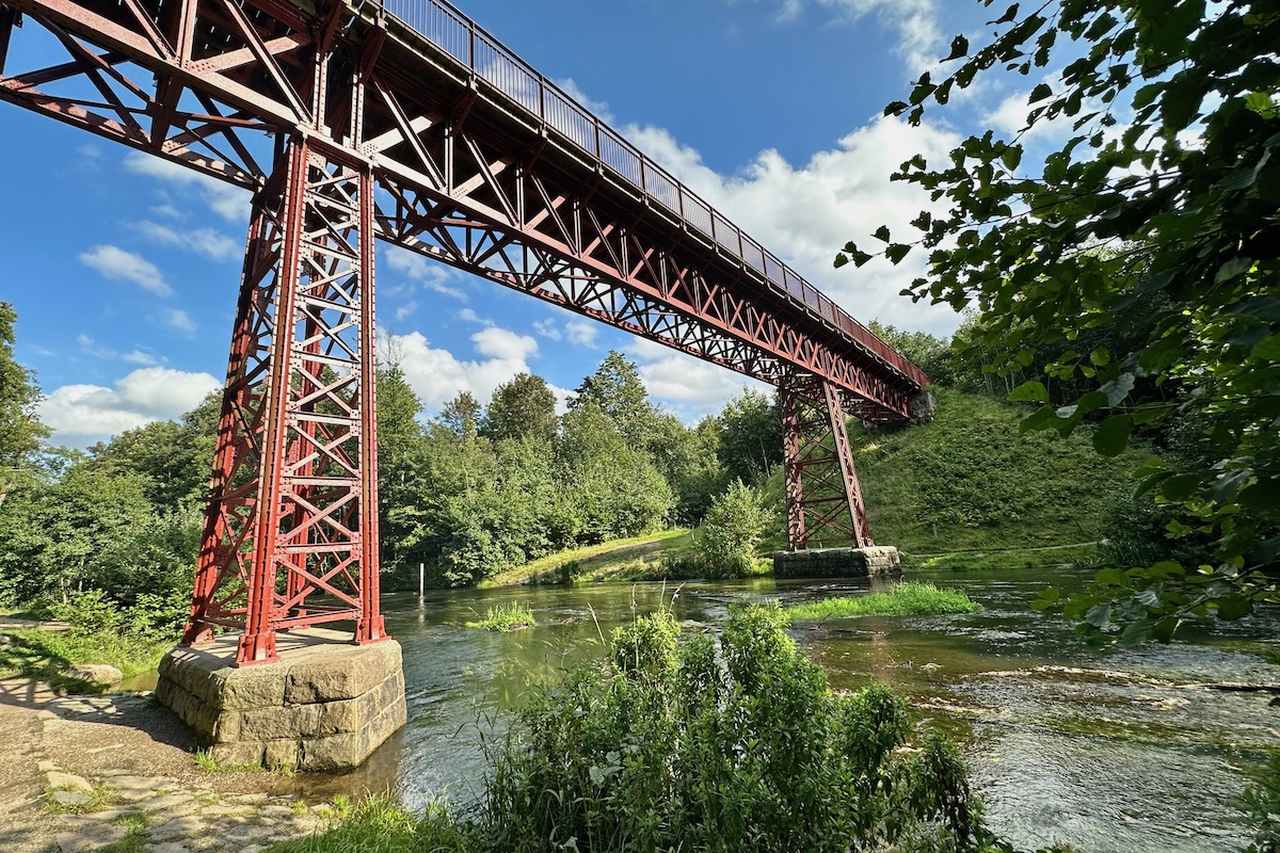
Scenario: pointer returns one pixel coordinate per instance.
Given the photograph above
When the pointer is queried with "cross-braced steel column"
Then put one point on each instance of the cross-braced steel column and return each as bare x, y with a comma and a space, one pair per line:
824, 498
291, 530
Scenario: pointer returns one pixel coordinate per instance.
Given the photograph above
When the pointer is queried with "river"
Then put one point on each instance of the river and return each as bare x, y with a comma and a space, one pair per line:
1117, 750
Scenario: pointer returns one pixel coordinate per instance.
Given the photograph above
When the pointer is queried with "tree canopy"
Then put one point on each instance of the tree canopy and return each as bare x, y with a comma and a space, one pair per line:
1142, 253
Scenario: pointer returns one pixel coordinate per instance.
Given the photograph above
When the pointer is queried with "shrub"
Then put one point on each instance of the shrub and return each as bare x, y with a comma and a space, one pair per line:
664, 747
734, 527
504, 618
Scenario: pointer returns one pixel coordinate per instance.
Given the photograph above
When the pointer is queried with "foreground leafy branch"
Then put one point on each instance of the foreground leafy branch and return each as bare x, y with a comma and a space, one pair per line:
1155, 226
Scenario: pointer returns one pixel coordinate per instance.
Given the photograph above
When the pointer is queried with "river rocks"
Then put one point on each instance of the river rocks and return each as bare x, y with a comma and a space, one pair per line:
325, 705
881, 561
98, 674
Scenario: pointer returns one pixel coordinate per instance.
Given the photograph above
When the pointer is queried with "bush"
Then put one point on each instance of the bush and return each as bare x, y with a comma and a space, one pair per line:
663, 747
734, 527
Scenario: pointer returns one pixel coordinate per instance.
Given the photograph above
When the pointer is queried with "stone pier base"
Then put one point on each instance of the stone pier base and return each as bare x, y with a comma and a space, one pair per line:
875, 562
325, 705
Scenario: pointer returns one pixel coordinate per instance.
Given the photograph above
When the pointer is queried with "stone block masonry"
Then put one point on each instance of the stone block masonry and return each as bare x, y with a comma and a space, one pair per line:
875, 562
325, 705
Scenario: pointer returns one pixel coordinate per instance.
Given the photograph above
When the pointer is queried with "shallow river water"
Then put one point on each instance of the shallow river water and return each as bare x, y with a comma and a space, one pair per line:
1122, 750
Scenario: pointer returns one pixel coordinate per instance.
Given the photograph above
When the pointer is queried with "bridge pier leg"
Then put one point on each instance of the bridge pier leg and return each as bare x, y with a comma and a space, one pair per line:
290, 538
824, 497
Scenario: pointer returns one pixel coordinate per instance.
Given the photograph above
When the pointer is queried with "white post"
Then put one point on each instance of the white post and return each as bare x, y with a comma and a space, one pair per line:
422, 574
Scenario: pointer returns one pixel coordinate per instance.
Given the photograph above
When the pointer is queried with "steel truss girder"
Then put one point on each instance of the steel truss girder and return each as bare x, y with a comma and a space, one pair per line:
823, 495
263, 65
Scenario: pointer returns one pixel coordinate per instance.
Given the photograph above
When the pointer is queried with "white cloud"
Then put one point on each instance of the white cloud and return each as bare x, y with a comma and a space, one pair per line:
404, 312
82, 414
914, 21
468, 315
582, 332
548, 329
115, 263
136, 356
437, 375
180, 320
228, 201
432, 275
573, 90
805, 213
689, 386
202, 241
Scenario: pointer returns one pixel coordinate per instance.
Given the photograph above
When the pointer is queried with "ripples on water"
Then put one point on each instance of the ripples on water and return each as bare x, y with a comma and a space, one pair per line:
1123, 750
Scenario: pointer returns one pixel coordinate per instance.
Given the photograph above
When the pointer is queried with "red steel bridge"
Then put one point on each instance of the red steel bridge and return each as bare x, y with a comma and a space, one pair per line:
404, 120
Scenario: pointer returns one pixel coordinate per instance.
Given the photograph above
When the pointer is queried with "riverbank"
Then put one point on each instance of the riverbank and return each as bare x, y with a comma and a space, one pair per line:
636, 558
118, 774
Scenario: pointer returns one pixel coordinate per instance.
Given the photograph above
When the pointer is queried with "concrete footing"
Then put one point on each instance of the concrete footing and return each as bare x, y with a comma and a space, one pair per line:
874, 562
325, 705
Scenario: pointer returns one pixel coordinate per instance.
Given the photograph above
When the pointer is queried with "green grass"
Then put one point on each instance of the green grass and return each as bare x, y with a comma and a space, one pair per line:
905, 599
379, 824
970, 479
47, 655
136, 840
594, 560
503, 618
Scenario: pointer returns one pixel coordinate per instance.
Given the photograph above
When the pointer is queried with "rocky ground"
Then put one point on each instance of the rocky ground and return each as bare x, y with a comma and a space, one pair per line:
117, 773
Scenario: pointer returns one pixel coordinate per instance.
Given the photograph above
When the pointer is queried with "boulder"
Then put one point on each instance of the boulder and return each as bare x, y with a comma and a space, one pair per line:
101, 674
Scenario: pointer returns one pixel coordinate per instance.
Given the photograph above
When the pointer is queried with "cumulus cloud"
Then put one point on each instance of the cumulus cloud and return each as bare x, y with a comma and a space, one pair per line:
404, 312
202, 241
582, 332
437, 375
690, 387
119, 265
805, 213
227, 201
179, 320
915, 22
548, 329
430, 274
82, 414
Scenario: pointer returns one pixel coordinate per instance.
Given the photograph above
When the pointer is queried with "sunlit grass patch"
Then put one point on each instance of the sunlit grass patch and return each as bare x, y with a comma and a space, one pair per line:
905, 599
502, 618
47, 655
379, 824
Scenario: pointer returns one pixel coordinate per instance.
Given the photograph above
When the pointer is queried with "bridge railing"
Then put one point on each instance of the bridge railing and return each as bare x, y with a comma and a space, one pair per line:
468, 43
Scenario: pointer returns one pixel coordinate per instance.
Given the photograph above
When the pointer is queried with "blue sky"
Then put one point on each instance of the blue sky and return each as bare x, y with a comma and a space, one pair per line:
124, 269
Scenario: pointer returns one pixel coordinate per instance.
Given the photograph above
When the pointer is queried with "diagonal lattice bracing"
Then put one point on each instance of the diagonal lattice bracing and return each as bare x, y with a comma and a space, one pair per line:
296, 544
823, 495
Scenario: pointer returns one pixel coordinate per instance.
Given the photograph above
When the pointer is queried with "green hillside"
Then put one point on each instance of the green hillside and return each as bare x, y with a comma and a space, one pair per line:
970, 480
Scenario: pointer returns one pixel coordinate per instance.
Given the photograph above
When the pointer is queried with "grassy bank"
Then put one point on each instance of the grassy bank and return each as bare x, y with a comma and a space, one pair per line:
48, 655
905, 599
621, 557
972, 480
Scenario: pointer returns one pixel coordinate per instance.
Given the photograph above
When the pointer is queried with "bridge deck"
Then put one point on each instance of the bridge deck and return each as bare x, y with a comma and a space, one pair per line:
456, 39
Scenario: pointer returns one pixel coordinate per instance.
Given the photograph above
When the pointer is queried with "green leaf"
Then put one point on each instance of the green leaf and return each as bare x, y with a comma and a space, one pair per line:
1179, 487
959, 48
896, 252
1011, 157
1009, 14
1267, 349
1101, 356
896, 108
840, 261
1113, 436
882, 233
1232, 268
1039, 93
1029, 392
1234, 607
1041, 418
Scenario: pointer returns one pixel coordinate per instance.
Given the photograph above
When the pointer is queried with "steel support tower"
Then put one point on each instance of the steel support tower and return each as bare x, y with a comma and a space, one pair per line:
406, 121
